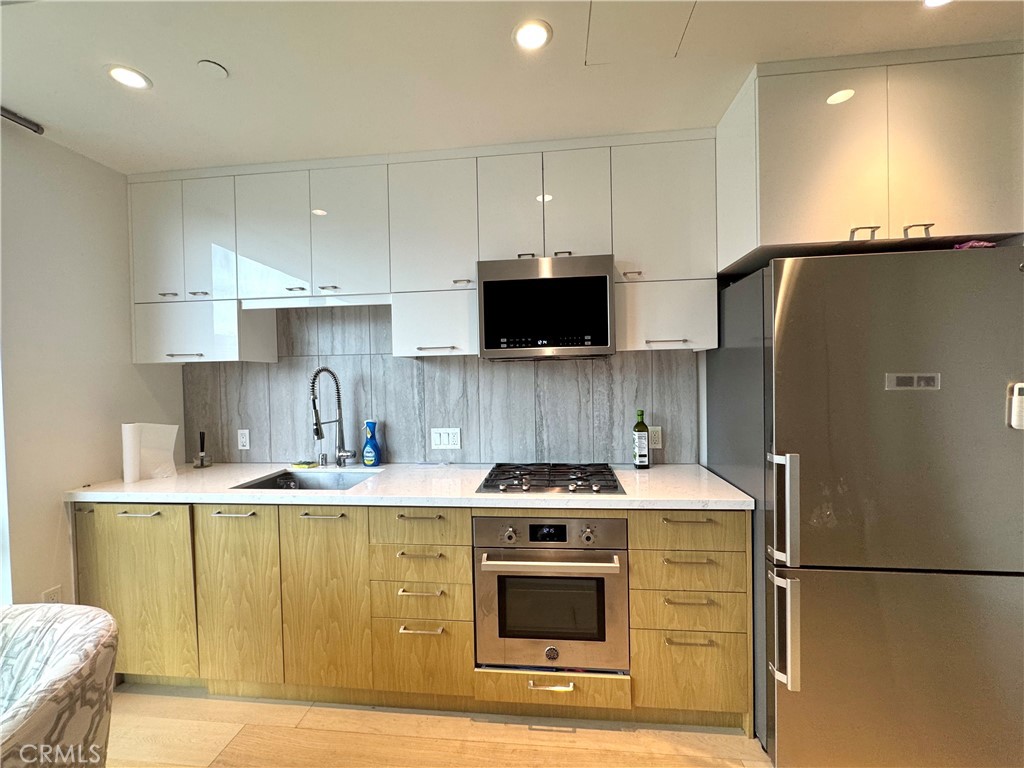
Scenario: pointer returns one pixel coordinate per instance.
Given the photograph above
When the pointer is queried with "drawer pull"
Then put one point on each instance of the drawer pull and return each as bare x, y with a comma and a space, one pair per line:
927, 229
462, 281
198, 293
136, 514
184, 354
219, 513
322, 517
683, 522
705, 561
666, 341
294, 288
705, 601
446, 346
400, 516
167, 293
556, 688
873, 229
403, 592
636, 272
327, 287
705, 644
404, 630
563, 253
403, 553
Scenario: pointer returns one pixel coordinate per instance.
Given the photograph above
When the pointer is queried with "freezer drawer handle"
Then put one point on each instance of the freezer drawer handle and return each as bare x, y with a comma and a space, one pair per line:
705, 561
791, 664
791, 510
705, 601
706, 644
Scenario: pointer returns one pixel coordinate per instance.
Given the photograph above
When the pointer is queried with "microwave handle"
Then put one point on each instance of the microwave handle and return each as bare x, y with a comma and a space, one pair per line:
550, 568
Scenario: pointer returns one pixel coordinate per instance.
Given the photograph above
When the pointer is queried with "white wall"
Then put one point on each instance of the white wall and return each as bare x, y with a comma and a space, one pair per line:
68, 379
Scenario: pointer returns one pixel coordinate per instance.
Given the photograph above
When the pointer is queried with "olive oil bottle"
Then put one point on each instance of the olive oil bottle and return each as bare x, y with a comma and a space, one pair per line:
641, 435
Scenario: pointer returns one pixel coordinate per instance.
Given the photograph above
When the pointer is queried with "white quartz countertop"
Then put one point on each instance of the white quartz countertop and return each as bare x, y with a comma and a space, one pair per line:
664, 486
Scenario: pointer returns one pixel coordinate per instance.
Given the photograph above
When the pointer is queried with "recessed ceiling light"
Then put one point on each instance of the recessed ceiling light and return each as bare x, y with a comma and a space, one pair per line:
936, 3
212, 69
129, 77
840, 96
319, 212
532, 35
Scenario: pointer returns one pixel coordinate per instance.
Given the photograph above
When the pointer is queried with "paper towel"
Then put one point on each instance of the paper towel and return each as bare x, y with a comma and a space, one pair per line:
148, 450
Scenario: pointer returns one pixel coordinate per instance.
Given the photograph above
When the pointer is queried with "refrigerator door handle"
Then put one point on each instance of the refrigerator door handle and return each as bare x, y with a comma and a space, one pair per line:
791, 677
791, 509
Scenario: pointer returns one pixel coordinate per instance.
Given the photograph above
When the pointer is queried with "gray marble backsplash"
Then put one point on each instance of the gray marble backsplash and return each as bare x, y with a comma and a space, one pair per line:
557, 410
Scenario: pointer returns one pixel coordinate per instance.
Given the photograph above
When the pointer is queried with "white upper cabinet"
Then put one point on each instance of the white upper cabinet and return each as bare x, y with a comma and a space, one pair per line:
577, 202
510, 192
822, 167
158, 269
208, 207
955, 146
433, 225
203, 331
663, 210
273, 229
667, 314
350, 240
433, 323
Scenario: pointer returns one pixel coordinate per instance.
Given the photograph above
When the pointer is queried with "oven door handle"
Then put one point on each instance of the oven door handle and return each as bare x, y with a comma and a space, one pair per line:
550, 568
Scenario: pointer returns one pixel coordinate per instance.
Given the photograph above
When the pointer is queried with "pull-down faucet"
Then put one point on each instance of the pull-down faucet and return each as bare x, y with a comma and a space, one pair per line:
340, 454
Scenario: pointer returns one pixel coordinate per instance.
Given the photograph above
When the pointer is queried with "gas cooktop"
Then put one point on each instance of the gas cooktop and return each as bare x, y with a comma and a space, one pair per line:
551, 478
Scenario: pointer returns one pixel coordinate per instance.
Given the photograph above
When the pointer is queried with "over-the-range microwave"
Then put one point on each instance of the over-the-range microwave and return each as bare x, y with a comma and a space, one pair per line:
546, 307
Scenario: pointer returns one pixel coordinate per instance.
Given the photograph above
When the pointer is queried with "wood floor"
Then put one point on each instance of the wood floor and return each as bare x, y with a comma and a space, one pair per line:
173, 727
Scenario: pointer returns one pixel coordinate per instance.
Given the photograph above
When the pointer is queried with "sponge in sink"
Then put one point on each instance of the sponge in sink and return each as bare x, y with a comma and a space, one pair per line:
303, 464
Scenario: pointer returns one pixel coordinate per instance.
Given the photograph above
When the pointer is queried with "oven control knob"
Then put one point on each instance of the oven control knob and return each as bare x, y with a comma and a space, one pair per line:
551, 653
587, 536
510, 536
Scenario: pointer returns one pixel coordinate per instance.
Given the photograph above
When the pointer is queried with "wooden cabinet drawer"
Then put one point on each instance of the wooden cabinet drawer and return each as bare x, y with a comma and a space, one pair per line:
421, 600
420, 525
701, 611
709, 571
556, 688
704, 671
416, 656
421, 562
698, 529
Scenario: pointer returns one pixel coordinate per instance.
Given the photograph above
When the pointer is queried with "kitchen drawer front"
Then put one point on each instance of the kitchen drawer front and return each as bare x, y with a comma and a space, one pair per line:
421, 525
690, 529
421, 562
556, 688
415, 656
708, 571
704, 671
421, 600
699, 611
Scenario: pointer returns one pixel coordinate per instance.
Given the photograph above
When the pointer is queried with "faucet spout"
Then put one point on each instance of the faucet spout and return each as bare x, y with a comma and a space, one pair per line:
340, 454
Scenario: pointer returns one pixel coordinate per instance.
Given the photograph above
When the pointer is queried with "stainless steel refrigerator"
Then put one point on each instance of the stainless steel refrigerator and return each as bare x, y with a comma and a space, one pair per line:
864, 401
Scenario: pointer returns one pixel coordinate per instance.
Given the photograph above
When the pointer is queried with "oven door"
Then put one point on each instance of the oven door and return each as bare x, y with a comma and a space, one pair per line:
552, 608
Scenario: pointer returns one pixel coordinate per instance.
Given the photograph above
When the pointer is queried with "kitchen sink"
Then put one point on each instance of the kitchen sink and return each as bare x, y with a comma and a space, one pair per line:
311, 480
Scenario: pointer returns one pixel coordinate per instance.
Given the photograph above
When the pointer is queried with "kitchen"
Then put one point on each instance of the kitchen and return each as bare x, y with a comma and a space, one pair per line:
530, 411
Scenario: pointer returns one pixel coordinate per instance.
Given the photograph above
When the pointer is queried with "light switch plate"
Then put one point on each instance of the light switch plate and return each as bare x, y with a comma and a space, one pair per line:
445, 438
655, 435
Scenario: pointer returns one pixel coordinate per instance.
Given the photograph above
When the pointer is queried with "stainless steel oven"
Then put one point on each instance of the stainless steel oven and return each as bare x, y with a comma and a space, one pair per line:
551, 593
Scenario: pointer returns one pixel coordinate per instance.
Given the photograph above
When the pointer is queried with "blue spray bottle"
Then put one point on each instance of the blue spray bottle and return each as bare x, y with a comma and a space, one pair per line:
371, 449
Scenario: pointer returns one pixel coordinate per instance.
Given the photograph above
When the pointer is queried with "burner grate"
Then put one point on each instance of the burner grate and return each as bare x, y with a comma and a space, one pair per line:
551, 478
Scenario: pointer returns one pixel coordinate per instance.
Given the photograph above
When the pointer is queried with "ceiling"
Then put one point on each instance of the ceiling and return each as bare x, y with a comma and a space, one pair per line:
333, 79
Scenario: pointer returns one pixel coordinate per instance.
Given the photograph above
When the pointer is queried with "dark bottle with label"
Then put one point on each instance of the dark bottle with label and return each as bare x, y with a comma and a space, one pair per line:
641, 435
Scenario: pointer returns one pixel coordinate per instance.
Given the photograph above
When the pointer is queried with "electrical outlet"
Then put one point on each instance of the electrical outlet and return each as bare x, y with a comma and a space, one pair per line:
243, 439
445, 438
655, 437
52, 595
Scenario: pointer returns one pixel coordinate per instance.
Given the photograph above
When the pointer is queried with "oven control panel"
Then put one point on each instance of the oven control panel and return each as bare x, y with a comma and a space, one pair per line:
543, 533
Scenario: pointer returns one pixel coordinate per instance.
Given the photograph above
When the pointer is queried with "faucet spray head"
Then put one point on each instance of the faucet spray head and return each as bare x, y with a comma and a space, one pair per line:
318, 429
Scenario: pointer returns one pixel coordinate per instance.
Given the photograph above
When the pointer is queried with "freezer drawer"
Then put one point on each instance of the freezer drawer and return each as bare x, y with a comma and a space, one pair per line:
897, 669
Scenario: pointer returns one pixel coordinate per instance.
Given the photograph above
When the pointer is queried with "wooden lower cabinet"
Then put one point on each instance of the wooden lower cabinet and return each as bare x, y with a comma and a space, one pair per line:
325, 591
421, 562
572, 689
421, 525
135, 562
423, 656
238, 593
421, 600
706, 571
671, 609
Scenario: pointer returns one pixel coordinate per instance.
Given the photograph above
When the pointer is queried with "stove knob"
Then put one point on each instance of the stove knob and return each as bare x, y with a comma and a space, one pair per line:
525, 484
510, 536
587, 536
572, 487
595, 487
502, 487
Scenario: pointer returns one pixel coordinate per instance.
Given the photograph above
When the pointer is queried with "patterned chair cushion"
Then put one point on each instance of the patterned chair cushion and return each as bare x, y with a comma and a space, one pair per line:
56, 684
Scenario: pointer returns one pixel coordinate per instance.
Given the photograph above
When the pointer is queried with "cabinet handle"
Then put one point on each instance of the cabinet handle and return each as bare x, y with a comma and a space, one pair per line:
198, 293
556, 688
666, 341
294, 288
705, 561
927, 229
636, 272
136, 514
167, 294
327, 287
404, 630
218, 513
403, 592
403, 553
685, 522
322, 517
873, 229
531, 255
705, 644
462, 281
563, 253
705, 601
449, 346
402, 516
185, 354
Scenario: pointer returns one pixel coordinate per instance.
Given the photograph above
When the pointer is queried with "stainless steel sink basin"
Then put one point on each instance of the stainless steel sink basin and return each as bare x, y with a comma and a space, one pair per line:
311, 480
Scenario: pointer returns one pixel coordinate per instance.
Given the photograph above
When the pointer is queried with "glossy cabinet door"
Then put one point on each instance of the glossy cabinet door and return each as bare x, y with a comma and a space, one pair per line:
135, 562
208, 207
157, 244
956, 146
434, 323
351, 250
663, 211
433, 225
273, 213
238, 593
203, 331
822, 168
578, 215
668, 314
510, 189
